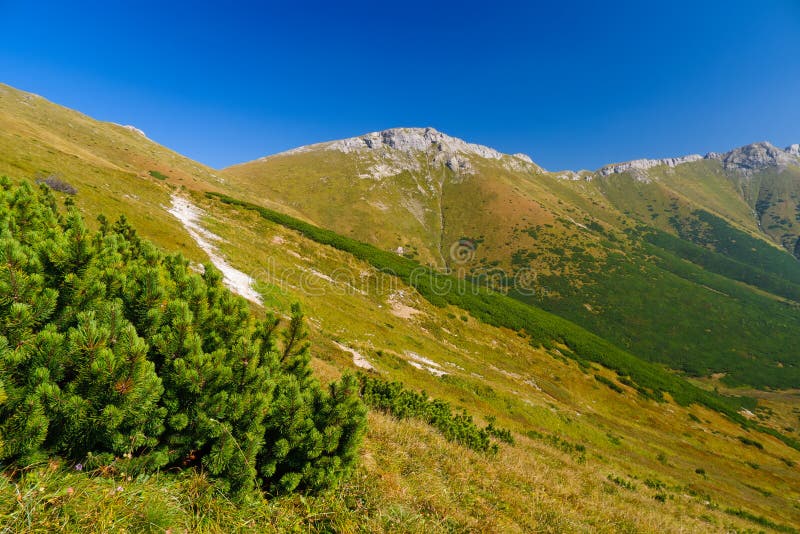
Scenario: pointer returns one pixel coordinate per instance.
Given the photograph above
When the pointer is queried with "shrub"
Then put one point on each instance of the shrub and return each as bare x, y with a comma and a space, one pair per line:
610, 383
503, 434
759, 520
54, 182
751, 442
393, 398
114, 355
654, 483
621, 482
576, 449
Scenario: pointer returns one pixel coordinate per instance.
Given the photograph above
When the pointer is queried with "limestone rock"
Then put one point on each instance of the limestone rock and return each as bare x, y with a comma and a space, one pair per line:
134, 129
757, 156
644, 164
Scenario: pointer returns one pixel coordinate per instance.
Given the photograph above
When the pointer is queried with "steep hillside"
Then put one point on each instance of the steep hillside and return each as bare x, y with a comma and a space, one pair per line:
116, 169
390, 187
592, 449
588, 246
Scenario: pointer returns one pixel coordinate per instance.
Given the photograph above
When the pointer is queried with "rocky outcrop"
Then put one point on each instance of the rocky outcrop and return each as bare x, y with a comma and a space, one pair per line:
746, 160
398, 149
757, 156
414, 140
445, 150
574, 176
644, 164
133, 129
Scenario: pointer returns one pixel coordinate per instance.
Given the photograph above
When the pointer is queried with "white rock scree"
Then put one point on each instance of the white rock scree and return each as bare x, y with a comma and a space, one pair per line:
236, 280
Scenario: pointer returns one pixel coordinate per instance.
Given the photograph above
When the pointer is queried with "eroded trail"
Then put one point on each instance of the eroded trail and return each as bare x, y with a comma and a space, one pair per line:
190, 215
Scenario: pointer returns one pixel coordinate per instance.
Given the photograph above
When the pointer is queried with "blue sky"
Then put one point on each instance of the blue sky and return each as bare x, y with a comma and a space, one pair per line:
574, 85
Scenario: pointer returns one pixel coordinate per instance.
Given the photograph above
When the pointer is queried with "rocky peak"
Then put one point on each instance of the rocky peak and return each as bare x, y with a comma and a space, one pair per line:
746, 159
412, 140
390, 152
757, 156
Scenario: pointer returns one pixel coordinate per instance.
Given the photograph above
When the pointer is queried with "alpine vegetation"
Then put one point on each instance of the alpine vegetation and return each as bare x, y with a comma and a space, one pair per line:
118, 357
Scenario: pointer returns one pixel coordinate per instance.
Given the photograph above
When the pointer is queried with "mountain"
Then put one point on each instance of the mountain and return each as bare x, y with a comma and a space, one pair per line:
391, 187
602, 440
678, 260
754, 186
112, 166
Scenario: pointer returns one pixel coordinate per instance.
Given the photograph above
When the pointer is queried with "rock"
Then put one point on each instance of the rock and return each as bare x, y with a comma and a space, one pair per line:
574, 176
390, 152
746, 159
757, 156
459, 164
134, 129
410, 140
644, 164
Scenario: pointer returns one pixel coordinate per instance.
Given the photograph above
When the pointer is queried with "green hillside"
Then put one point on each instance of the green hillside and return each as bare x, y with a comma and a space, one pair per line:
508, 419
669, 263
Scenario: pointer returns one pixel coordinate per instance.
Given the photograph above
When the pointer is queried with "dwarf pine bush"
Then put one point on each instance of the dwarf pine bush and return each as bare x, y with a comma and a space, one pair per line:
115, 355
403, 403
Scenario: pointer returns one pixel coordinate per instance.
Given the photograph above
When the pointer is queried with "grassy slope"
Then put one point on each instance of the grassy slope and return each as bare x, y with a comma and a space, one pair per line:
578, 240
410, 479
110, 165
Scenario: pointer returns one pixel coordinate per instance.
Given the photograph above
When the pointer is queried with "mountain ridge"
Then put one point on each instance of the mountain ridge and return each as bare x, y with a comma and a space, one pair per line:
591, 449
398, 148
746, 158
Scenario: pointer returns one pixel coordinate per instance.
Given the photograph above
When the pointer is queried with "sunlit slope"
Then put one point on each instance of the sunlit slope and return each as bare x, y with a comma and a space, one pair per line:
115, 169
536, 392
591, 453
775, 198
670, 263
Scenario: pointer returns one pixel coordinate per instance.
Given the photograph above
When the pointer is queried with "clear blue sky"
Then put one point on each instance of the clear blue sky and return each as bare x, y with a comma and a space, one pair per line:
573, 84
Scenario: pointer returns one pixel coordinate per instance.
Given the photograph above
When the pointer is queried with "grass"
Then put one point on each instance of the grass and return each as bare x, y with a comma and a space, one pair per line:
570, 431
411, 480
498, 310
577, 241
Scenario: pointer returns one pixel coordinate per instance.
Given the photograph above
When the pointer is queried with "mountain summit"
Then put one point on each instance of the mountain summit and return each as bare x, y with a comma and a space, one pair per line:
399, 146
757, 156
746, 159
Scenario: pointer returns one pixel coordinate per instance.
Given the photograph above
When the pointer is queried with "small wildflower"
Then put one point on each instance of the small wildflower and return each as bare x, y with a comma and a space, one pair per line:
78, 467
70, 491
119, 489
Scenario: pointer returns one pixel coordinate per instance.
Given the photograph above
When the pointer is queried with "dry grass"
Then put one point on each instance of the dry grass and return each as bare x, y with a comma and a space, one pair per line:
409, 479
